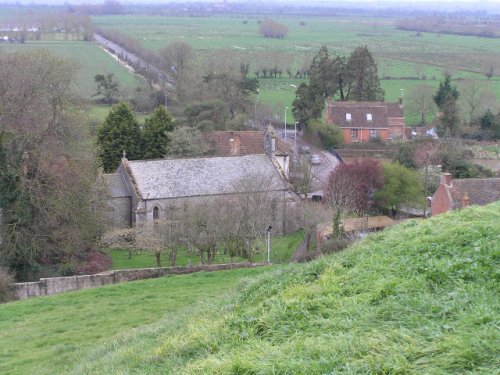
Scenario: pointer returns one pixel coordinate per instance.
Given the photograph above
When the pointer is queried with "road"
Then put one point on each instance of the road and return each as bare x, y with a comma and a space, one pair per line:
134, 60
320, 172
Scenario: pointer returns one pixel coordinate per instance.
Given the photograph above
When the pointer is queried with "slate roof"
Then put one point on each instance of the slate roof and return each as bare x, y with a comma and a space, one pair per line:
115, 185
233, 143
174, 178
481, 191
383, 114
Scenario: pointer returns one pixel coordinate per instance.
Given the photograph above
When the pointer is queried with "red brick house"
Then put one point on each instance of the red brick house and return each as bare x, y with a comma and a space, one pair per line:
458, 193
365, 121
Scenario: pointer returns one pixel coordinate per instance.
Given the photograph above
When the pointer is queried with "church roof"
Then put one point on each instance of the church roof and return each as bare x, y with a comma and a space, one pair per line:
175, 178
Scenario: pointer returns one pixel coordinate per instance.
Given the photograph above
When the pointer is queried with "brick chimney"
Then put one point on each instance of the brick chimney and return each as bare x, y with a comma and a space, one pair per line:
446, 179
465, 200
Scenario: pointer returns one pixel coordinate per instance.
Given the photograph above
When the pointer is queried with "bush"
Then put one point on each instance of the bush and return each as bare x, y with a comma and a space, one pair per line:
334, 245
5, 280
328, 136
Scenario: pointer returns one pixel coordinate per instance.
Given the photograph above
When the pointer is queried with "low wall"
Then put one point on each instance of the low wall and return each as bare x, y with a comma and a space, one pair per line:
55, 285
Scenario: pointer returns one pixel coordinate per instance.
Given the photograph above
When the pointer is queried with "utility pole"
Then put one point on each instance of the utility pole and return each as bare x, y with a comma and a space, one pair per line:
426, 181
269, 244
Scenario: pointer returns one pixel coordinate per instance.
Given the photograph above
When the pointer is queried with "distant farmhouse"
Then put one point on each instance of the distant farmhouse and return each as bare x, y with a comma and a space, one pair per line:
367, 121
453, 194
146, 190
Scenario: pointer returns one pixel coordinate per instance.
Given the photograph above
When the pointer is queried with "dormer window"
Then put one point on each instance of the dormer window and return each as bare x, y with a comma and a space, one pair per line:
369, 117
348, 117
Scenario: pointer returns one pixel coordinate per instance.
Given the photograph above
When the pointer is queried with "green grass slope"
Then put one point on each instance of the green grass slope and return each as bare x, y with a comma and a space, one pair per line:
47, 335
420, 298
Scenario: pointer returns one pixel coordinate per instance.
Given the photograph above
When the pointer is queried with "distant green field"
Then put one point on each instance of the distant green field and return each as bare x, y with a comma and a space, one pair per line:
400, 54
89, 58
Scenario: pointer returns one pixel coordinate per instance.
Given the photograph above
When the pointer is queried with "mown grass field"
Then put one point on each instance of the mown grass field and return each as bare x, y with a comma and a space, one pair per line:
419, 298
89, 59
282, 249
48, 335
399, 54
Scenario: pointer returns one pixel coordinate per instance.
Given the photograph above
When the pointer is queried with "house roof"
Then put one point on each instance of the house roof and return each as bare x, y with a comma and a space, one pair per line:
480, 191
233, 143
174, 178
382, 114
115, 185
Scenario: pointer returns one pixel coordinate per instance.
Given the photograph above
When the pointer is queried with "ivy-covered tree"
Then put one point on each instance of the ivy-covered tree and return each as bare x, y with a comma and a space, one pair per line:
155, 134
119, 133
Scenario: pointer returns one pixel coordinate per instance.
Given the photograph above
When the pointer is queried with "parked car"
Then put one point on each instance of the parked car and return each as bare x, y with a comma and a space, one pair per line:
304, 150
315, 160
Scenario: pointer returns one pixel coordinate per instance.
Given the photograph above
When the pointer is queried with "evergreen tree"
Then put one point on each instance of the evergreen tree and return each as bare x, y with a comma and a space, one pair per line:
362, 68
306, 105
446, 92
322, 76
490, 124
353, 78
446, 100
118, 133
155, 138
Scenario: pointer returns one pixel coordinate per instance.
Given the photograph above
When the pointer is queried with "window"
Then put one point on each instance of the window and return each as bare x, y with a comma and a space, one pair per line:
373, 133
354, 133
369, 117
348, 116
156, 213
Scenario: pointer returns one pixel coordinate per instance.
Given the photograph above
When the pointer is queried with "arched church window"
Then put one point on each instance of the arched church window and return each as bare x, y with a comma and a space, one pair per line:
156, 213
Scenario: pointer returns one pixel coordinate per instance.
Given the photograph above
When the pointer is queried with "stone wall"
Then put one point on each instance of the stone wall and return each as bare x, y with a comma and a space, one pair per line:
55, 285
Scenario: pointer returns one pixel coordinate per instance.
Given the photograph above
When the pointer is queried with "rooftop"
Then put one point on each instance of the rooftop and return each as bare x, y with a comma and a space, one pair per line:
358, 114
481, 191
174, 178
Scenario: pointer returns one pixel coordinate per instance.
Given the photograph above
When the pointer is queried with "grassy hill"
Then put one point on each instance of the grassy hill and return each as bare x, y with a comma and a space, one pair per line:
48, 335
422, 297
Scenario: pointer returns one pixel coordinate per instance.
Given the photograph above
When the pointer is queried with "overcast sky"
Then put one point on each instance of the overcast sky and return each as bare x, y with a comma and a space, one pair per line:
419, 3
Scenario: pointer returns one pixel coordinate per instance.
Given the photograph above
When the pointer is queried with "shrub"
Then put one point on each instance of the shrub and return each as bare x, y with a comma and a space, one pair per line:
5, 280
327, 136
334, 245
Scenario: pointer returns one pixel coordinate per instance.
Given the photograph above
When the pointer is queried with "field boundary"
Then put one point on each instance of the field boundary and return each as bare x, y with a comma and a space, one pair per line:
55, 285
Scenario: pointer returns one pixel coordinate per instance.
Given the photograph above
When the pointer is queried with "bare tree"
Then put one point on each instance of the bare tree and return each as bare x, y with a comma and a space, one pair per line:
176, 60
272, 29
420, 102
302, 176
474, 97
